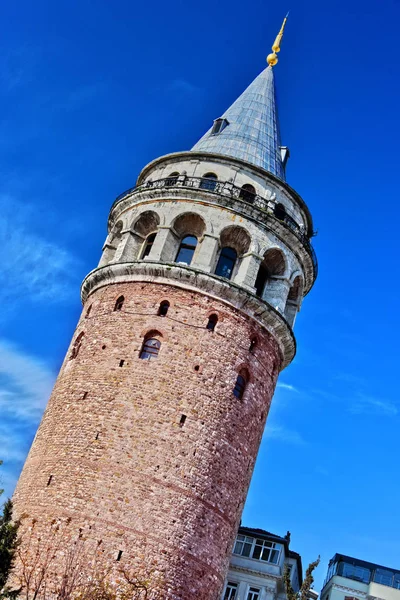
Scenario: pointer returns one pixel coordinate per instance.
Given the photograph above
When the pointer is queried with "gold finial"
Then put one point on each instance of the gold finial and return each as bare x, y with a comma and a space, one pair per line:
272, 59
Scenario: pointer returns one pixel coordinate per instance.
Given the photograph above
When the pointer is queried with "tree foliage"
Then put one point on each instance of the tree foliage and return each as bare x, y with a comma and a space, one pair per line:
8, 545
303, 593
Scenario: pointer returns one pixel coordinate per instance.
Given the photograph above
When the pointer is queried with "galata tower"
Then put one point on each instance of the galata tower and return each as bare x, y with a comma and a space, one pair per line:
150, 436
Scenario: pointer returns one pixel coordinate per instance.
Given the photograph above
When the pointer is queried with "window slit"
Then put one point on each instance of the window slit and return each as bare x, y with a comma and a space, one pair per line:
182, 421
49, 480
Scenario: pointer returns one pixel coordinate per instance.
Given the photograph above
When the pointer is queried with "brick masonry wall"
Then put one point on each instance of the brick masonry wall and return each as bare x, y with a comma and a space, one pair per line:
123, 468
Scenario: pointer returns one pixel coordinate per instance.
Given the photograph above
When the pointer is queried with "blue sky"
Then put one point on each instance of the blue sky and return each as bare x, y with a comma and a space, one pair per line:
91, 92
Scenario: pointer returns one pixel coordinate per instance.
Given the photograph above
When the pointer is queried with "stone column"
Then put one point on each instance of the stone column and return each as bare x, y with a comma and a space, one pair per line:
291, 311
164, 247
128, 247
276, 292
206, 253
247, 272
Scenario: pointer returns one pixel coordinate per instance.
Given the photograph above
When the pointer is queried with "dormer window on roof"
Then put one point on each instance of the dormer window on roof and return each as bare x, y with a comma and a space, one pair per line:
219, 125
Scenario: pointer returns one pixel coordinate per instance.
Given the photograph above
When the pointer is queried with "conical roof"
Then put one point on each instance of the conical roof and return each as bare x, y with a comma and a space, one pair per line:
252, 132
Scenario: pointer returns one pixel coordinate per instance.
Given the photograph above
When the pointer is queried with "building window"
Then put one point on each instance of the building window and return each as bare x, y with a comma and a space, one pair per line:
148, 244
163, 308
226, 262
212, 321
384, 577
253, 344
256, 548
77, 346
230, 591
219, 125
240, 386
186, 250
280, 211
253, 594
354, 572
243, 545
261, 279
88, 311
119, 303
150, 348
247, 193
209, 182
172, 179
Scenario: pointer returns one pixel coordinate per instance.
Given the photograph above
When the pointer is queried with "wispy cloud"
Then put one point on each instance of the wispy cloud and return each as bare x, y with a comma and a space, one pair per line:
282, 434
377, 406
287, 386
31, 265
25, 385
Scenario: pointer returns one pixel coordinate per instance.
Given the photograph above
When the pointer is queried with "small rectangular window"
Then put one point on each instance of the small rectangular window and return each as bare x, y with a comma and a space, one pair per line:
121, 363
231, 591
49, 480
254, 594
182, 421
119, 555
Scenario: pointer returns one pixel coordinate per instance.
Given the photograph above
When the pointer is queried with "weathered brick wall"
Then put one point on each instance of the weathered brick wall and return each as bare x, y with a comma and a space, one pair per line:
122, 467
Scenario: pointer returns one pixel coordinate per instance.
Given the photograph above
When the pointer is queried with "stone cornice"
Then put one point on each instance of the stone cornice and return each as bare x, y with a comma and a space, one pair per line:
231, 161
193, 279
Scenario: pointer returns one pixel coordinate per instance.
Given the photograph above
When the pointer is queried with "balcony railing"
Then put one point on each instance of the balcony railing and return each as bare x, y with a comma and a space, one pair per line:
273, 209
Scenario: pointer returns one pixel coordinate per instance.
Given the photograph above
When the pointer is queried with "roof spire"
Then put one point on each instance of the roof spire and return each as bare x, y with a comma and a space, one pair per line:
272, 59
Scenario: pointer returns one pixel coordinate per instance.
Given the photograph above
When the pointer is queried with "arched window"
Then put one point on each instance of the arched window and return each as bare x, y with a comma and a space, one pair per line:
209, 181
148, 245
172, 179
186, 249
212, 321
240, 386
261, 279
273, 265
253, 344
77, 346
119, 303
88, 311
163, 308
280, 211
247, 193
226, 262
150, 349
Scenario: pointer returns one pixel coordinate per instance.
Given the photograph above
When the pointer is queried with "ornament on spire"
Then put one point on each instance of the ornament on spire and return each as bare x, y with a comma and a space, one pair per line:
272, 58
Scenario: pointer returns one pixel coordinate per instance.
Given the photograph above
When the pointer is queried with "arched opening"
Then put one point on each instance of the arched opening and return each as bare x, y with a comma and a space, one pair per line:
240, 385
247, 193
172, 179
146, 223
186, 250
151, 346
212, 321
119, 303
163, 308
293, 300
226, 262
273, 265
253, 344
209, 182
77, 346
280, 211
148, 245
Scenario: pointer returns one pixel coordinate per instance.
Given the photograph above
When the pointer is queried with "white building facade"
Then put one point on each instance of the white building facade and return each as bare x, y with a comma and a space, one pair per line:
353, 579
257, 566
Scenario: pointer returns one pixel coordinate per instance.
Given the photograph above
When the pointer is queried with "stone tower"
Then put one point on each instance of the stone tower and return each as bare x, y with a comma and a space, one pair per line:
151, 433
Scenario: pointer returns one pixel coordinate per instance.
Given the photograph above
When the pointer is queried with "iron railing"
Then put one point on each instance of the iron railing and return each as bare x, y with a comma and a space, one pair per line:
228, 190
